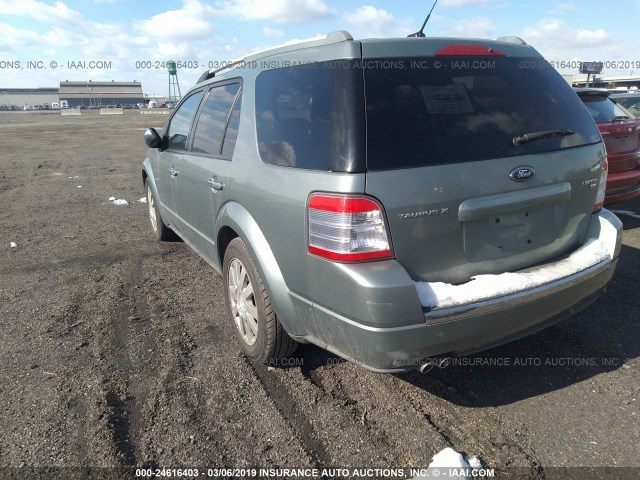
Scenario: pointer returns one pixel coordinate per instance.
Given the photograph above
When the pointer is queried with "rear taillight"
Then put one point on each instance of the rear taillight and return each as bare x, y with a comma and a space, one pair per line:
347, 228
602, 186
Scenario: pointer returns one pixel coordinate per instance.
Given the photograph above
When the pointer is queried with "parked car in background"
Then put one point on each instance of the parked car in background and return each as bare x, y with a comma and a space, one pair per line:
449, 209
630, 101
621, 133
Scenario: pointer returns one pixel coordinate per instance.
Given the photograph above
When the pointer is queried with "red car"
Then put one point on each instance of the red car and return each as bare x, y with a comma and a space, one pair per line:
620, 131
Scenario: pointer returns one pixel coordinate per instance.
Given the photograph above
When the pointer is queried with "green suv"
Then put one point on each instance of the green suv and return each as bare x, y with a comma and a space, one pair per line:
389, 200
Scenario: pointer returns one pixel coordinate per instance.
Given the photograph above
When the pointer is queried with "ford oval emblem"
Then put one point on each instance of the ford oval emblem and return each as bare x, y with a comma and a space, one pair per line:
521, 174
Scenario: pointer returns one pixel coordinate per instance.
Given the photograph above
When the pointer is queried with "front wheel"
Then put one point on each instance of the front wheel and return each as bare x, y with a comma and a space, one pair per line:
261, 335
160, 230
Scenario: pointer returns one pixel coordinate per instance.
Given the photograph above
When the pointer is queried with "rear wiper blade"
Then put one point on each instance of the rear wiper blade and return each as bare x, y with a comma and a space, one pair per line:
531, 137
620, 118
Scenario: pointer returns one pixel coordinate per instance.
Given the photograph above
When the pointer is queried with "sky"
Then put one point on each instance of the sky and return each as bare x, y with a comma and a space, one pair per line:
45, 42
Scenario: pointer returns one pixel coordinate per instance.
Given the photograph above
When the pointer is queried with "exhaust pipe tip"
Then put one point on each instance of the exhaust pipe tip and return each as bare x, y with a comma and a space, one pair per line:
430, 363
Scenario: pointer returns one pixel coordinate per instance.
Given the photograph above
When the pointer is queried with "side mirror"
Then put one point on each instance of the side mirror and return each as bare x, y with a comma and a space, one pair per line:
152, 138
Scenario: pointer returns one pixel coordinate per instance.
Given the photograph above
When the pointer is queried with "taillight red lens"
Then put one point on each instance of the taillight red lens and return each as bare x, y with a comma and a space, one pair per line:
469, 51
347, 228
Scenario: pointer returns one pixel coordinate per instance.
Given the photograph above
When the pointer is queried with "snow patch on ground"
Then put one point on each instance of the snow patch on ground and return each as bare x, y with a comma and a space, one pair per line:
13, 245
626, 213
448, 459
118, 201
484, 287
143, 200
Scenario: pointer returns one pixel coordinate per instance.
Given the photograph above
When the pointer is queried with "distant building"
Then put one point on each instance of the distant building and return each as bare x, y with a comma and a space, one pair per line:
28, 96
610, 82
101, 93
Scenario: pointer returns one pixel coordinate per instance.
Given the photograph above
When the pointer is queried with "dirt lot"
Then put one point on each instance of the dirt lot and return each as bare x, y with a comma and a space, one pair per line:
115, 351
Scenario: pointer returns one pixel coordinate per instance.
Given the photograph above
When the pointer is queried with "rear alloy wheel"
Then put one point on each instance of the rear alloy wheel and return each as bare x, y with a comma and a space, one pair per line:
160, 230
261, 336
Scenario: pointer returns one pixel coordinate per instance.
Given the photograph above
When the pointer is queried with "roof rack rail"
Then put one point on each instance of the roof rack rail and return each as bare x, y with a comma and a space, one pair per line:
512, 39
328, 39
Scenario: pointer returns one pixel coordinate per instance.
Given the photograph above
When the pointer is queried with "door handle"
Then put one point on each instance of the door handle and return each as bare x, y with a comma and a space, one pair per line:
216, 185
173, 172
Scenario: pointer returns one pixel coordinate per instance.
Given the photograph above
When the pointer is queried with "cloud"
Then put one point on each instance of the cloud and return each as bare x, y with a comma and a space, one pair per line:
40, 11
368, 21
272, 32
278, 11
466, 3
11, 36
556, 32
60, 37
192, 21
562, 8
476, 27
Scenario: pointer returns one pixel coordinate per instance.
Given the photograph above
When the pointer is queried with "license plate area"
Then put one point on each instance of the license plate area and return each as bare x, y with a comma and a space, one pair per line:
504, 234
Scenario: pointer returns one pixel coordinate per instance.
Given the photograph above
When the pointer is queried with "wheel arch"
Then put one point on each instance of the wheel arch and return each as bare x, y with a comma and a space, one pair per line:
236, 221
147, 174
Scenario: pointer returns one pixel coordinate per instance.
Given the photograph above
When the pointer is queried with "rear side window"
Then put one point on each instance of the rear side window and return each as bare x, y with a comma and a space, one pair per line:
180, 125
466, 110
212, 129
231, 134
603, 109
630, 103
293, 116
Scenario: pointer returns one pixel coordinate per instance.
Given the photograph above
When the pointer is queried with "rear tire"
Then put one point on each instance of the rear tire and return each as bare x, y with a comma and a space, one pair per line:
261, 336
160, 230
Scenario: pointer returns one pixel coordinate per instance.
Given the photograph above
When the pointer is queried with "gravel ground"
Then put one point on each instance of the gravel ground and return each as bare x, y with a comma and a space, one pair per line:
116, 352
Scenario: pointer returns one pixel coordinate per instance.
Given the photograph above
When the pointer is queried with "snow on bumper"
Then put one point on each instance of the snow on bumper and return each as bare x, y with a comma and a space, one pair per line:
602, 245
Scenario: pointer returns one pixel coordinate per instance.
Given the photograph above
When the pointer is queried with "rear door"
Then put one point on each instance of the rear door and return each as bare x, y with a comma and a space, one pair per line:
455, 155
204, 171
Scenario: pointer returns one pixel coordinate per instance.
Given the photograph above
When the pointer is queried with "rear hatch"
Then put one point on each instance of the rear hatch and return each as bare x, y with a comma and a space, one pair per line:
619, 128
483, 157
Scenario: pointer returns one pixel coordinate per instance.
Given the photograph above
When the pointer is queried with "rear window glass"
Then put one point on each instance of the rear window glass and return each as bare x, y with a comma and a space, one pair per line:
631, 104
603, 109
458, 109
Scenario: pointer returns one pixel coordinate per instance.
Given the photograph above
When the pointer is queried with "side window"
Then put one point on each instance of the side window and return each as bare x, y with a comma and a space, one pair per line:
178, 132
214, 117
232, 129
293, 116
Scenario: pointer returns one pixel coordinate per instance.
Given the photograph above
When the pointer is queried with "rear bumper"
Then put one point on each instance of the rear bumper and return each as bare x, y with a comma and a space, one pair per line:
463, 329
622, 186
